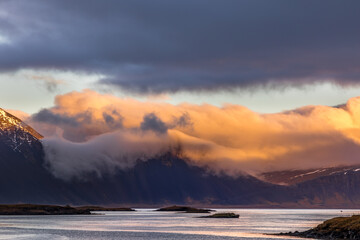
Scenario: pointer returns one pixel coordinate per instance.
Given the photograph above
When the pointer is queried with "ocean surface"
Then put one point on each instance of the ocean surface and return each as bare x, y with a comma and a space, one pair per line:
150, 225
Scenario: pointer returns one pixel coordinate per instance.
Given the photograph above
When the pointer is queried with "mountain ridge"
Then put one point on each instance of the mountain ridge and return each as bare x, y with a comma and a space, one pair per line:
291, 177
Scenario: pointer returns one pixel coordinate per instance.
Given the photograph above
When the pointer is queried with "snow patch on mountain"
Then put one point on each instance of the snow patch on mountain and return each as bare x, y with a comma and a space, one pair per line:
15, 133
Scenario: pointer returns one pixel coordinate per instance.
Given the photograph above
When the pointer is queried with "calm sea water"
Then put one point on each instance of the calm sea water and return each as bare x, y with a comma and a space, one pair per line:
150, 225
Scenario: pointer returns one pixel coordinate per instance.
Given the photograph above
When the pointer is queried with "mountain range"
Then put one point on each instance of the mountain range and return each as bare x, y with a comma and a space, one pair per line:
168, 179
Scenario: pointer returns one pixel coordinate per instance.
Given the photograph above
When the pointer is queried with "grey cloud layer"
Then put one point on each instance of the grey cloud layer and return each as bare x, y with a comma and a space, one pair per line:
167, 46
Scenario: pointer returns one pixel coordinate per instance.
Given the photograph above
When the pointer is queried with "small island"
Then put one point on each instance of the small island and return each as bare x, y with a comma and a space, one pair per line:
222, 215
335, 228
98, 208
35, 209
184, 209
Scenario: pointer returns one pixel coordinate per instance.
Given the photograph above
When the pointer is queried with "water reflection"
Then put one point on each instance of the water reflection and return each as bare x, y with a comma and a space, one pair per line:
149, 224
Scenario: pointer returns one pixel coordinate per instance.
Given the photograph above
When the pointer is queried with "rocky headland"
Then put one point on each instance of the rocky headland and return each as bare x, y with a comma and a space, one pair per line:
335, 228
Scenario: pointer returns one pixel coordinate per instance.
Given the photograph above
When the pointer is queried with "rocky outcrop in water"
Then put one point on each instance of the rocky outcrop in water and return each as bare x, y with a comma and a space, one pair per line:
185, 209
222, 215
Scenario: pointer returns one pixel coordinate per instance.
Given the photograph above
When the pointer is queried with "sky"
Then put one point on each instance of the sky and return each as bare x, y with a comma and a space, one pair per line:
168, 58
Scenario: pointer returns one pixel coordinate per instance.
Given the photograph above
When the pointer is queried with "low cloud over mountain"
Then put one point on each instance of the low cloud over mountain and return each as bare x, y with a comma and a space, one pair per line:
87, 131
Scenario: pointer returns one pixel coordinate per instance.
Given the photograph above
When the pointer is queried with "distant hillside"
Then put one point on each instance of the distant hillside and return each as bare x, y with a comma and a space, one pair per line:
291, 177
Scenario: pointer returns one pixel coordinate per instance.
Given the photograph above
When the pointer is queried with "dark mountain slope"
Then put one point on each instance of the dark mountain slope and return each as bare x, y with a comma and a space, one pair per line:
23, 177
174, 181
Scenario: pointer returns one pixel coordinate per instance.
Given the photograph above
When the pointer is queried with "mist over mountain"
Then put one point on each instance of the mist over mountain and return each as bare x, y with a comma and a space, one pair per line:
26, 177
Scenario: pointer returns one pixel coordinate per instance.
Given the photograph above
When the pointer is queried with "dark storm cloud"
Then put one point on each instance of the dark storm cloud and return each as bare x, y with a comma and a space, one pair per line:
114, 120
48, 116
153, 123
162, 46
183, 121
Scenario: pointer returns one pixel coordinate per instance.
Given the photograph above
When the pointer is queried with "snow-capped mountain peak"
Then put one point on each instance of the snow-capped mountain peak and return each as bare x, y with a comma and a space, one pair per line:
16, 134
10, 122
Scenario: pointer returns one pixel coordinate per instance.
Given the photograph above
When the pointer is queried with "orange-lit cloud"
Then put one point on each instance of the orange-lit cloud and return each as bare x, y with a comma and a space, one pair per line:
231, 139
